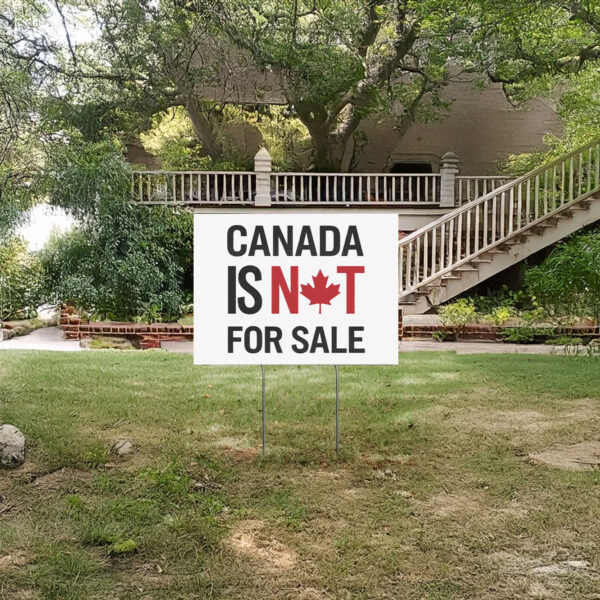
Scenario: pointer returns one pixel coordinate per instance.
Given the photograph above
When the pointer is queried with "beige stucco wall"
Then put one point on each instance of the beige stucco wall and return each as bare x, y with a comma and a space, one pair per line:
482, 128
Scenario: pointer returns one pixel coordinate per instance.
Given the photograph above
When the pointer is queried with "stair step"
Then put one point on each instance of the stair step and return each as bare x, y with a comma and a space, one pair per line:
447, 277
551, 222
435, 286
583, 205
537, 230
477, 261
406, 303
565, 214
466, 270
516, 240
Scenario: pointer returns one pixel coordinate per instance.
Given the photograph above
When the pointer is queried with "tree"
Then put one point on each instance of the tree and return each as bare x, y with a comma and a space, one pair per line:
338, 62
122, 260
21, 78
331, 62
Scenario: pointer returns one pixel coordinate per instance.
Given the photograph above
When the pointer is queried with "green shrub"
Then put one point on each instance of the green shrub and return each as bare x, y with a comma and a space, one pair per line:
458, 314
525, 334
122, 260
19, 273
567, 282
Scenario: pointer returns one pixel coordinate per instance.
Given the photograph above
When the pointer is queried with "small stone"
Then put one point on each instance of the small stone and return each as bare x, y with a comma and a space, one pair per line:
12, 447
121, 447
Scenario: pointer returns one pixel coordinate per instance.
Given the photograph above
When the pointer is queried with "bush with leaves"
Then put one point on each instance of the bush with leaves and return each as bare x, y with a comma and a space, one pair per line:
568, 281
458, 314
121, 257
19, 273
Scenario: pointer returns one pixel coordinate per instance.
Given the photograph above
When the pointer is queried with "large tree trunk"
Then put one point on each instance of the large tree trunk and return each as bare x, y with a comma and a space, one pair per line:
327, 156
204, 129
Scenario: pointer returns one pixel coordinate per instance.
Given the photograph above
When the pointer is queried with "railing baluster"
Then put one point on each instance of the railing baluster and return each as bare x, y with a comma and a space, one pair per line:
519, 206
597, 181
494, 215
443, 247
401, 268
579, 173
571, 179
425, 254
409, 277
459, 237
468, 234
476, 237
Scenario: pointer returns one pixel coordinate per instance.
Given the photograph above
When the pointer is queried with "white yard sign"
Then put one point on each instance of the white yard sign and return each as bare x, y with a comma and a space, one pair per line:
295, 288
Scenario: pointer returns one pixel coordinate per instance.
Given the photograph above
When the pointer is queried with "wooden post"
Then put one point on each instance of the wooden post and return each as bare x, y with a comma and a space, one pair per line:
449, 169
262, 167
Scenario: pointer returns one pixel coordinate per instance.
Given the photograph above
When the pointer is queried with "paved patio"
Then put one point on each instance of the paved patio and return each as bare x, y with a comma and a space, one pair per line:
47, 338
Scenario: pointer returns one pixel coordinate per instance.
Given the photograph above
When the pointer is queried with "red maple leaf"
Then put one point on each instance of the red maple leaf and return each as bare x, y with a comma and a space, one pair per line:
320, 293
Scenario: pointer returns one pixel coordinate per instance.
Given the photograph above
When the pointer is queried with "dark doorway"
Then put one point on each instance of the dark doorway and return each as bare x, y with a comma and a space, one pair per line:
419, 189
412, 167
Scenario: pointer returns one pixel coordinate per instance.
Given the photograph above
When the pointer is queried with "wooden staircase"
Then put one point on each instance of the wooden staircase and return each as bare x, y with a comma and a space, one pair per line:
487, 235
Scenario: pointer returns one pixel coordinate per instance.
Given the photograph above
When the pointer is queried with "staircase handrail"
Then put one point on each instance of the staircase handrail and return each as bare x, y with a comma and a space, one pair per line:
499, 190
493, 218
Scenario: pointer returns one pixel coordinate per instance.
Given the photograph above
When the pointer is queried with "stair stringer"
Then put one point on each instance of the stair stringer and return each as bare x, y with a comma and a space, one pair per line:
515, 254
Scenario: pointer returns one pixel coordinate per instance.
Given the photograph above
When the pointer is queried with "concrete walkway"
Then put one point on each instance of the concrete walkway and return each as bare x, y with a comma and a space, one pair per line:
51, 338
47, 338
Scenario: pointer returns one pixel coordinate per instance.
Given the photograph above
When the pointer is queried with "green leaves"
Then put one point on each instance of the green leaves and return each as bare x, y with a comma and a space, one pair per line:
568, 281
120, 258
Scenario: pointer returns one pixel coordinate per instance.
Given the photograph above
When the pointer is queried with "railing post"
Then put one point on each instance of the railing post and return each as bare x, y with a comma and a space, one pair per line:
262, 168
449, 169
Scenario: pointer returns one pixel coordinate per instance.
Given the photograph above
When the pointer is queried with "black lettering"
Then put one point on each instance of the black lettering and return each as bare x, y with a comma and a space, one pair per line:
273, 336
231, 339
319, 341
353, 339
231, 290
286, 242
259, 242
306, 242
249, 346
233, 229
335, 248
352, 242
296, 334
247, 287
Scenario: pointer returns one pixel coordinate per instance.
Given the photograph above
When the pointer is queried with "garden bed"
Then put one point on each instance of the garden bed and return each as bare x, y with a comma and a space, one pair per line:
498, 333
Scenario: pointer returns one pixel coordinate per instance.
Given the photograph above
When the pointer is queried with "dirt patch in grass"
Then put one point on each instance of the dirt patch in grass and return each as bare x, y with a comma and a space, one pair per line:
465, 506
584, 456
249, 539
544, 576
60, 478
14, 560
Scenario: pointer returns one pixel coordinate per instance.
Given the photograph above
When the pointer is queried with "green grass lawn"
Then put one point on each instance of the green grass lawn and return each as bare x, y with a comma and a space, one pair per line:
432, 496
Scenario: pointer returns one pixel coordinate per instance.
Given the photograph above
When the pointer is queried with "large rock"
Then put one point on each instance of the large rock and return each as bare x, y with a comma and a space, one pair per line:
121, 447
12, 446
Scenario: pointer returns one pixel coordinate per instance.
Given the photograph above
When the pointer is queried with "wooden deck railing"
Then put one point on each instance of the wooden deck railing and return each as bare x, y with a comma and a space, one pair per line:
355, 188
193, 187
452, 240
265, 187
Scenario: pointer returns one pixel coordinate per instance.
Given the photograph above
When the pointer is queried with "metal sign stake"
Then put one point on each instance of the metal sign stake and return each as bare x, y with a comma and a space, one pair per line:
264, 421
337, 409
